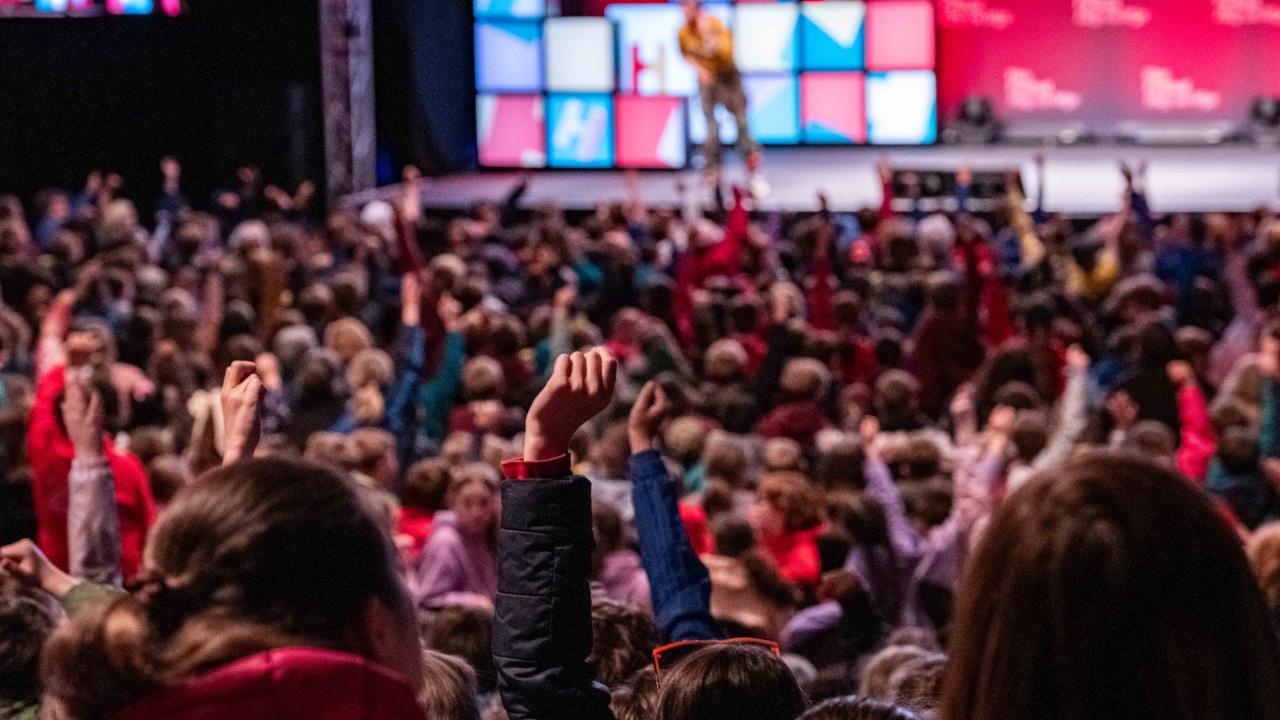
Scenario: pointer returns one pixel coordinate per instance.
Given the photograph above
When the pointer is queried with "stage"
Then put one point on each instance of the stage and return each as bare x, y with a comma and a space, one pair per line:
1081, 180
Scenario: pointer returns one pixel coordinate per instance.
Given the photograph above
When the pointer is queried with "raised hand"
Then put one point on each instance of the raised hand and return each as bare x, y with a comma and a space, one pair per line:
242, 391
410, 300
648, 412
26, 563
1180, 373
581, 386
869, 433
450, 311
1077, 359
1269, 356
82, 414
1001, 420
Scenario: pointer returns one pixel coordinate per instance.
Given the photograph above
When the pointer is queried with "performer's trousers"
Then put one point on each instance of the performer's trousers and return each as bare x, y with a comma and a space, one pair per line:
725, 90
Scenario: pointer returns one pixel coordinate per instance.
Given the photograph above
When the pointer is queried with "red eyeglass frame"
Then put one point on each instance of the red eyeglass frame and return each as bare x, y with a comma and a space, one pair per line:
693, 645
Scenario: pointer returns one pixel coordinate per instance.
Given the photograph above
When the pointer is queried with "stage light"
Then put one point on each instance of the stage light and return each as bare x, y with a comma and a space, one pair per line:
975, 123
1264, 121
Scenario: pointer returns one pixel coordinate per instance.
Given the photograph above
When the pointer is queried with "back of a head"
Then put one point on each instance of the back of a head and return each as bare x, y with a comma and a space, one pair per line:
448, 688
28, 616
260, 554
738, 682
467, 633
852, 707
622, 637
1110, 588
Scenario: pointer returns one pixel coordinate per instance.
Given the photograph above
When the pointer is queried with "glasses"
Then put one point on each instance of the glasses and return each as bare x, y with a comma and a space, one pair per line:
670, 655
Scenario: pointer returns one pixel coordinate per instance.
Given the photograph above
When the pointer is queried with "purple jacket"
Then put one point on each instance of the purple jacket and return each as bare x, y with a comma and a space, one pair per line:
455, 568
623, 579
935, 558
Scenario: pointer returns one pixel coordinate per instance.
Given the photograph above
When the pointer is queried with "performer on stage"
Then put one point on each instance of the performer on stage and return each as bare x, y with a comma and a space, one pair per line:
707, 45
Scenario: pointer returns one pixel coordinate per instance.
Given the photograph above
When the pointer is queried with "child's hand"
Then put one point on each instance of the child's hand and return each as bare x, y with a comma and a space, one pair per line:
646, 417
241, 399
581, 386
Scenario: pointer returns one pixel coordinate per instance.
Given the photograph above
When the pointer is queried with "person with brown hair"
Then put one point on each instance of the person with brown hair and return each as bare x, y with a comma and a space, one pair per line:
786, 520
1110, 588
457, 565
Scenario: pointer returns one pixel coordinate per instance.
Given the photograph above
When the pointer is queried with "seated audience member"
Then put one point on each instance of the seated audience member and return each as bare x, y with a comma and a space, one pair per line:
622, 638
466, 633
448, 688
426, 486
28, 616
786, 521
1197, 640
746, 589
263, 570
615, 566
852, 707
457, 565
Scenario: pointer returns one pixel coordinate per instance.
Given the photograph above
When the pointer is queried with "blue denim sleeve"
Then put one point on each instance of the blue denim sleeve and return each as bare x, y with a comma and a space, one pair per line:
678, 580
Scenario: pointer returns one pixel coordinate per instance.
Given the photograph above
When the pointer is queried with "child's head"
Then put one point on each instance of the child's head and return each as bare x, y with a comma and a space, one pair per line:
448, 688
372, 452
473, 498
482, 379
896, 393
258, 555
637, 698
874, 681
327, 448
426, 485
725, 361
1113, 576
28, 616
167, 474
465, 632
1029, 434
726, 460
686, 439
804, 379
622, 637
783, 455
1238, 450
854, 707
738, 681
1264, 557
785, 502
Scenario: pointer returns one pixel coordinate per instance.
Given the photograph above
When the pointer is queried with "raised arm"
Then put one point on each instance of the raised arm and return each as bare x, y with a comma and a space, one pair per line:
1198, 443
1073, 417
93, 523
241, 399
678, 580
542, 619
881, 488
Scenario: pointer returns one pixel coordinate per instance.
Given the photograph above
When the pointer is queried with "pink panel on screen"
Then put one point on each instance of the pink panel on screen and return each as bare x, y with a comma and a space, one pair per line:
642, 124
900, 35
836, 103
516, 136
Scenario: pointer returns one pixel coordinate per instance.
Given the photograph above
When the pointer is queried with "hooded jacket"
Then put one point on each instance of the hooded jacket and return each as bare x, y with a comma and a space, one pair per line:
298, 683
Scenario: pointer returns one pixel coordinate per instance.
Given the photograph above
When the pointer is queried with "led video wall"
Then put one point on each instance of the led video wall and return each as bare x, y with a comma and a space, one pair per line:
89, 8
612, 90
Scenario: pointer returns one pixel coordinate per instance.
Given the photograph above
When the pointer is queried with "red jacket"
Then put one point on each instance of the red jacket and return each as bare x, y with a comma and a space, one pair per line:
286, 684
795, 554
50, 452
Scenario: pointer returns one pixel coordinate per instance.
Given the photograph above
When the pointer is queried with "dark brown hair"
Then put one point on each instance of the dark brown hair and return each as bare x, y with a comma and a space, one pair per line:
1111, 589
794, 496
257, 555
734, 682
852, 707
622, 638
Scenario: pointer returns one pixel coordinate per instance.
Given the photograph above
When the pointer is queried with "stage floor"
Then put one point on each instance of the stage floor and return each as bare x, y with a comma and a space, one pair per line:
1079, 180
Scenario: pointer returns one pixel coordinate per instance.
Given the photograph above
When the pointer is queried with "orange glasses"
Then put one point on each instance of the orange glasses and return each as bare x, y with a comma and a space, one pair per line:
670, 655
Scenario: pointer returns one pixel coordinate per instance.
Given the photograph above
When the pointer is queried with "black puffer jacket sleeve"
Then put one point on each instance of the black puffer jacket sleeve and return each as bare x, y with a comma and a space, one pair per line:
542, 621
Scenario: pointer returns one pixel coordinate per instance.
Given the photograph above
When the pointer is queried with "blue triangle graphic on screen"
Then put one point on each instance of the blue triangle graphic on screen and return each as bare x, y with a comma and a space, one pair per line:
816, 131
824, 52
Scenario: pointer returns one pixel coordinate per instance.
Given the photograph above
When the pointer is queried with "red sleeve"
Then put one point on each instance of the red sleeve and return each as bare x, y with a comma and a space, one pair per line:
886, 199
726, 255
1198, 441
995, 311
822, 314
695, 526
521, 469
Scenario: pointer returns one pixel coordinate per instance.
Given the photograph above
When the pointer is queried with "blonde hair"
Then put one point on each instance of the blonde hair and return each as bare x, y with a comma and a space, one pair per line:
804, 379
1264, 557
347, 337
